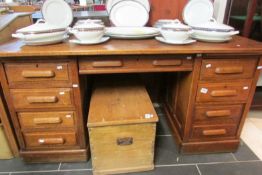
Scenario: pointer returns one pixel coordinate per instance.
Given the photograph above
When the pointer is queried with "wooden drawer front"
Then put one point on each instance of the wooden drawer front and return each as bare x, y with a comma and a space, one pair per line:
165, 63
35, 120
109, 64
218, 114
214, 132
49, 139
219, 92
37, 72
228, 68
42, 98
136, 132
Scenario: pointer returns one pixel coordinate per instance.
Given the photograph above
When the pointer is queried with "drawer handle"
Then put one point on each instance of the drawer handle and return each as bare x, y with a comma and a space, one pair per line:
44, 99
224, 93
51, 141
218, 113
54, 120
38, 74
167, 62
107, 64
214, 132
124, 141
229, 70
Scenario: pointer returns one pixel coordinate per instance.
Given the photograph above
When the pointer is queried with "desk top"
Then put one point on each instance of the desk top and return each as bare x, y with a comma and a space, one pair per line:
238, 45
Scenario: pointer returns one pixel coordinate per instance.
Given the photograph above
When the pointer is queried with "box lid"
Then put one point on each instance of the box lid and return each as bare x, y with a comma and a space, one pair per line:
120, 103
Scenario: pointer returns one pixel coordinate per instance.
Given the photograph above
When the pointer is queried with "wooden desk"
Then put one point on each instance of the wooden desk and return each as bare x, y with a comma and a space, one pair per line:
208, 91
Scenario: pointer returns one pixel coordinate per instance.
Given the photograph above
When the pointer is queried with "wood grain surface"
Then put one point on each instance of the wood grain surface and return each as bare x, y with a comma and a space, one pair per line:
238, 45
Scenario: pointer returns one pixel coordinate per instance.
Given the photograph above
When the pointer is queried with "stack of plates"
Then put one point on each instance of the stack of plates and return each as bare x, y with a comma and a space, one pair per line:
199, 15
132, 32
53, 29
128, 13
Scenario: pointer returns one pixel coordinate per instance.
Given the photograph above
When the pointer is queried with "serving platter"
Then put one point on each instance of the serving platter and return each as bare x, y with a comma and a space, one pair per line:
110, 3
210, 39
102, 40
57, 12
128, 13
46, 41
197, 12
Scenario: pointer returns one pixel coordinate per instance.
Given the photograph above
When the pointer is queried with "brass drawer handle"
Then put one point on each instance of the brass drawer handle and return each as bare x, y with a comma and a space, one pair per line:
38, 74
214, 132
54, 120
124, 141
223, 93
43, 99
218, 113
229, 70
167, 62
107, 64
51, 141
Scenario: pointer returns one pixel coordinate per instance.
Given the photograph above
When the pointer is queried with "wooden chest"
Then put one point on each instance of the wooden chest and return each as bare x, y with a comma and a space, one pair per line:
122, 127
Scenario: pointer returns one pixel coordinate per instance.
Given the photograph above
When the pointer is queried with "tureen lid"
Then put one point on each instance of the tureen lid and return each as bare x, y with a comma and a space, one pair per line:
213, 25
176, 25
40, 27
89, 25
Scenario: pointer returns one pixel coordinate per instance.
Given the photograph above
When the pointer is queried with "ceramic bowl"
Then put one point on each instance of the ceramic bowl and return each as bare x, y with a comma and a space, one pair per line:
88, 21
176, 31
90, 32
213, 29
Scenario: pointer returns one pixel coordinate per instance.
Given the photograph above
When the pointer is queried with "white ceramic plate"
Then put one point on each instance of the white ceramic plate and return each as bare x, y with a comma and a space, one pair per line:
132, 31
57, 12
110, 3
133, 37
211, 40
198, 11
163, 40
47, 41
128, 13
103, 39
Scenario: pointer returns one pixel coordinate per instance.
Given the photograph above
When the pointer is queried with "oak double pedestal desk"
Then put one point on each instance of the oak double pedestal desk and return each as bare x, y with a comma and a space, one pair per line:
208, 89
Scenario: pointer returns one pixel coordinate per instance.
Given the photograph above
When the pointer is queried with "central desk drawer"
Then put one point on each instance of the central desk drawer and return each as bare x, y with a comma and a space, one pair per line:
125, 64
37, 72
223, 92
42, 98
214, 69
49, 139
37, 120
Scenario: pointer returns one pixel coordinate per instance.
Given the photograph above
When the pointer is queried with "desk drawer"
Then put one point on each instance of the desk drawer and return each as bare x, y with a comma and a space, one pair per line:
214, 69
216, 114
37, 72
108, 64
167, 63
220, 92
49, 139
214, 132
126, 64
42, 120
42, 98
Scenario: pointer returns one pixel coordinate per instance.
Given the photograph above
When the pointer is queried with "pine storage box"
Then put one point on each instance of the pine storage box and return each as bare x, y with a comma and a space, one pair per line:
5, 152
122, 127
